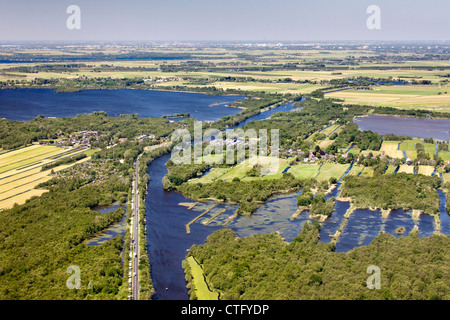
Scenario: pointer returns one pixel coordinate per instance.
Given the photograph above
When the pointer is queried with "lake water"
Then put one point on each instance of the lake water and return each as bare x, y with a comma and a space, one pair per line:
116, 229
406, 126
26, 104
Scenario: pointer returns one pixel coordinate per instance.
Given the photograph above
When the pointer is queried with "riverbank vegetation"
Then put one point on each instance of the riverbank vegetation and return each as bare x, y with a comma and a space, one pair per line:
197, 285
248, 194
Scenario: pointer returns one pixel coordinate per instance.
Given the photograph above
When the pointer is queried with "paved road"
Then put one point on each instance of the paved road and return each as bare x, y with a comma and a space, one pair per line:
135, 239
135, 231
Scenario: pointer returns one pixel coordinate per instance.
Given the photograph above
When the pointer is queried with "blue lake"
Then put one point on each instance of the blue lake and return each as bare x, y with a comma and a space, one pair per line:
26, 104
406, 126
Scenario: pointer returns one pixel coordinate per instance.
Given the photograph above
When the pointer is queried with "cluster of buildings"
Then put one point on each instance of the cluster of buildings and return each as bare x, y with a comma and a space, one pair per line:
83, 139
145, 136
161, 80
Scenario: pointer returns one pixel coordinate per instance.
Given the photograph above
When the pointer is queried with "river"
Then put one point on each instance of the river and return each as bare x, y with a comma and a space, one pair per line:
168, 240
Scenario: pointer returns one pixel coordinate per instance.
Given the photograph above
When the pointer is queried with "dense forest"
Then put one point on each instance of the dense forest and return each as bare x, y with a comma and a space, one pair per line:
393, 191
266, 267
40, 239
364, 140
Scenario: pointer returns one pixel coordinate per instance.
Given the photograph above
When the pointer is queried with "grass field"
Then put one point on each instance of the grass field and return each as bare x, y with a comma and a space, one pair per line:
390, 169
213, 175
444, 155
320, 172
202, 291
305, 171
20, 171
240, 171
332, 170
330, 129
446, 176
360, 170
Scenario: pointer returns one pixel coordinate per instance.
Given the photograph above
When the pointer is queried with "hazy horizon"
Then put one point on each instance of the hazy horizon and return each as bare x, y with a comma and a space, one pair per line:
202, 20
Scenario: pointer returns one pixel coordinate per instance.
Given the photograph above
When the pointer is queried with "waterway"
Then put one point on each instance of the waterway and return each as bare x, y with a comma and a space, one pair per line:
168, 240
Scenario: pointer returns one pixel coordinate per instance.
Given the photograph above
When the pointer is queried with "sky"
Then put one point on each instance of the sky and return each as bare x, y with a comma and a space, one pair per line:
188, 20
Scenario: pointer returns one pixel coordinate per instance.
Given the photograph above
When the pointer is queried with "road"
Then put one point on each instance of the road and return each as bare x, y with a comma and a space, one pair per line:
135, 227
135, 238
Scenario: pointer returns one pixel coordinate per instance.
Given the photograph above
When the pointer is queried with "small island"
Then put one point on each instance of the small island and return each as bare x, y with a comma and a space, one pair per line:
177, 115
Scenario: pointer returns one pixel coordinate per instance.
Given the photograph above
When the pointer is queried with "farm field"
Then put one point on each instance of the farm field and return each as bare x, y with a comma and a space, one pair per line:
320, 172
407, 148
391, 149
277, 175
263, 86
406, 169
241, 170
367, 152
355, 170
20, 171
404, 97
330, 129
325, 143
426, 170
